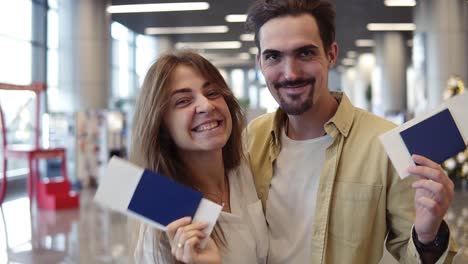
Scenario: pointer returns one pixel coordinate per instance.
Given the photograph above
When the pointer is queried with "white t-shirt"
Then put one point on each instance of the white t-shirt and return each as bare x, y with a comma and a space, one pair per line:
244, 228
290, 207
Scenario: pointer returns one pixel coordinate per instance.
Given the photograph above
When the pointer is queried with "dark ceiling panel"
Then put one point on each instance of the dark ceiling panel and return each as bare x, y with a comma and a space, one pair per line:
352, 18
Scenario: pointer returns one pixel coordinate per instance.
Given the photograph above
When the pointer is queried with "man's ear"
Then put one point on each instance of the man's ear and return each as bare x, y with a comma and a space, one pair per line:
332, 55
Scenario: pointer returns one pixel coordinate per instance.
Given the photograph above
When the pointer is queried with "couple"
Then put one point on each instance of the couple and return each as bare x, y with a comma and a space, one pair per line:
307, 184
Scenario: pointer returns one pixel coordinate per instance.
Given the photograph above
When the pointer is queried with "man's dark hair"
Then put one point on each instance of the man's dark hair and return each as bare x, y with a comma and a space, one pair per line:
322, 10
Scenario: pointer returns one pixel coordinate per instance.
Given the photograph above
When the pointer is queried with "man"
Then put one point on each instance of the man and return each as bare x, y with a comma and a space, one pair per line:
328, 188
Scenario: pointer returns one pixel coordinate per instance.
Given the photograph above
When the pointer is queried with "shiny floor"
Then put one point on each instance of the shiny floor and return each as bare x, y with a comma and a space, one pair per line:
88, 235
95, 235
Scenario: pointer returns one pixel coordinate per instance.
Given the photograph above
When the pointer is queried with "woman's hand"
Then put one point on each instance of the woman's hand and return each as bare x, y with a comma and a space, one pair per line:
185, 238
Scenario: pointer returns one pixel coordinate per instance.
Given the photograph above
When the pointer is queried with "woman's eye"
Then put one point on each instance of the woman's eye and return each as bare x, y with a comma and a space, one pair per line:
182, 102
212, 94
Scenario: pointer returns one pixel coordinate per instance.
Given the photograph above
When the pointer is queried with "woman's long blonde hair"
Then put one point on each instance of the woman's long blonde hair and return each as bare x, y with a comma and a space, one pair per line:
152, 147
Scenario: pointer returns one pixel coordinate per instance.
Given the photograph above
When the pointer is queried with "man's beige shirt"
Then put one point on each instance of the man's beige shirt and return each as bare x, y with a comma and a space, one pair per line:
360, 199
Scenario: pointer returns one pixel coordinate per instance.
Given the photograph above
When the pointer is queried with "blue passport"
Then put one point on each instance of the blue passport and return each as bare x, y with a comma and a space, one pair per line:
437, 137
163, 200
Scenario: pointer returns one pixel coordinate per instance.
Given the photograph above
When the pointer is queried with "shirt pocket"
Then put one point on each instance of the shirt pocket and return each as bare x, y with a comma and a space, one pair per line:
259, 229
353, 211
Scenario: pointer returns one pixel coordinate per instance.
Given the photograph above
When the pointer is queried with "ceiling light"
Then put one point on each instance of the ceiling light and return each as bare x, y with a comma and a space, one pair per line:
185, 30
227, 56
365, 43
351, 54
400, 2
347, 62
236, 18
161, 7
230, 63
247, 37
209, 45
253, 50
244, 56
391, 26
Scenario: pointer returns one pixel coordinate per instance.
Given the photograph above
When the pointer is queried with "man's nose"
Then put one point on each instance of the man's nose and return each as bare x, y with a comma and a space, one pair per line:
292, 69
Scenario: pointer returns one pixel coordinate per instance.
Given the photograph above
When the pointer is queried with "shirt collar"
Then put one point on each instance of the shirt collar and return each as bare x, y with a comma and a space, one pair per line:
341, 121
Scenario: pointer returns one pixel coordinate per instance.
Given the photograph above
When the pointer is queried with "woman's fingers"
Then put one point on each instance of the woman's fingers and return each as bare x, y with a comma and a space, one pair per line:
190, 252
171, 228
183, 234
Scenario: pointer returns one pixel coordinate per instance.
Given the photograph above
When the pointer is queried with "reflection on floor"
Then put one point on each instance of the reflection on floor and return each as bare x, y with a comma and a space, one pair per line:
95, 235
88, 235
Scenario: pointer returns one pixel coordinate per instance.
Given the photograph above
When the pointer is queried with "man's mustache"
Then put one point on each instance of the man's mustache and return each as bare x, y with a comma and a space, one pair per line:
294, 83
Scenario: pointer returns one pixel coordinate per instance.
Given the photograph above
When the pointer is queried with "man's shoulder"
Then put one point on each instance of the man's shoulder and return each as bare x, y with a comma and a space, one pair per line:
372, 122
263, 123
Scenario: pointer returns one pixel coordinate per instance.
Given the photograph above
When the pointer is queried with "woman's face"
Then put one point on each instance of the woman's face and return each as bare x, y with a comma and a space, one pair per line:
197, 118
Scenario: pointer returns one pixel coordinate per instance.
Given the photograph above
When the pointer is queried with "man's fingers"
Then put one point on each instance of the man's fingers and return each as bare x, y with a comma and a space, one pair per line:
423, 161
434, 191
427, 172
430, 205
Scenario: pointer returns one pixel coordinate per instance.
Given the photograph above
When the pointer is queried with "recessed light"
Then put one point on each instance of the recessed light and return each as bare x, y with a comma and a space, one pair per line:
236, 18
347, 62
247, 37
209, 45
244, 56
391, 26
351, 54
400, 2
185, 30
160, 7
222, 56
365, 43
253, 50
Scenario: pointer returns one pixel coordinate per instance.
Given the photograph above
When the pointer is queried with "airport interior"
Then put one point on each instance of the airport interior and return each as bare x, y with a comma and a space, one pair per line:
71, 72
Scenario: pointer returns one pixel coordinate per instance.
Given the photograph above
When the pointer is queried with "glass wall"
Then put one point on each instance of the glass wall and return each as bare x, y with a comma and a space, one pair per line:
123, 70
15, 68
15, 42
132, 54
30, 50
53, 54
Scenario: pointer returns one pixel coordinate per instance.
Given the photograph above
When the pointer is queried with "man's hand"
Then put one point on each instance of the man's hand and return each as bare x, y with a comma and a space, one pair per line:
434, 193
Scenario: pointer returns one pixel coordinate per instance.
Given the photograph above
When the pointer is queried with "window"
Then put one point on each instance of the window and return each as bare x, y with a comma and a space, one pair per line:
18, 46
237, 82
123, 46
53, 50
145, 55
132, 54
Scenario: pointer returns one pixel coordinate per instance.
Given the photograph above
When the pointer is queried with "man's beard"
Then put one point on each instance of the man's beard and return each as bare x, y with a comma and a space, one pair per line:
296, 107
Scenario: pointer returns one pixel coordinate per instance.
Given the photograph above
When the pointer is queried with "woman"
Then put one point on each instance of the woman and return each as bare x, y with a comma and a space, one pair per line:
188, 126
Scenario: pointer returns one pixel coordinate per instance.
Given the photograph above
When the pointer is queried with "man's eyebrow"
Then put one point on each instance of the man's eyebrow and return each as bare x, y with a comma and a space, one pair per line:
306, 47
269, 51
